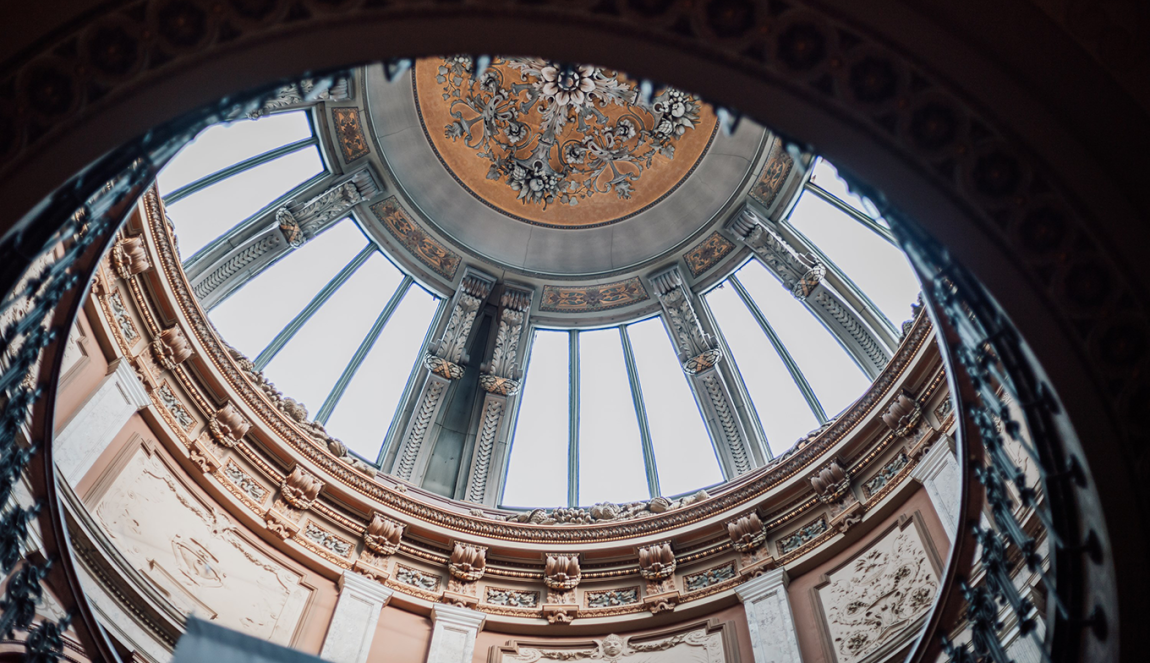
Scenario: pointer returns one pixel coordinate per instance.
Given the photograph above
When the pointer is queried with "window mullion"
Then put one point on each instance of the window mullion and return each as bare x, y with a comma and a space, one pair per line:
640, 414
784, 354
573, 418
308, 311
361, 352
237, 168
850, 211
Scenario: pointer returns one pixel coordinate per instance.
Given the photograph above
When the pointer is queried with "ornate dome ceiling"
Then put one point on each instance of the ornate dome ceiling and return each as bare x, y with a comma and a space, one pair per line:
559, 147
567, 172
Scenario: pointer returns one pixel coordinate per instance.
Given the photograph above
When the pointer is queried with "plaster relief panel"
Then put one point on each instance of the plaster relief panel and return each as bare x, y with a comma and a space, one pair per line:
697, 643
195, 555
870, 601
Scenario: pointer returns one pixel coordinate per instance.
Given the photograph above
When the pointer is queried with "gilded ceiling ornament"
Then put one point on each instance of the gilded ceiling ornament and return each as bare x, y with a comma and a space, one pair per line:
657, 561
468, 562
562, 133
383, 535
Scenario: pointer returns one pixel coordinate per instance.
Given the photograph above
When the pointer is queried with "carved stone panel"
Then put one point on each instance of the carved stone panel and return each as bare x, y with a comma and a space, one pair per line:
196, 555
693, 643
874, 599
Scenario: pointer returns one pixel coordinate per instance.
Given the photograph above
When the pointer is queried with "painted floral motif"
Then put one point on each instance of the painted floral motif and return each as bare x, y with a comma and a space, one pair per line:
571, 299
708, 253
560, 133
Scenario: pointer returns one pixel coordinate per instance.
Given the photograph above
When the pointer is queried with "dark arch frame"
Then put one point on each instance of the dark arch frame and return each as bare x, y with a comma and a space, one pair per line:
1032, 189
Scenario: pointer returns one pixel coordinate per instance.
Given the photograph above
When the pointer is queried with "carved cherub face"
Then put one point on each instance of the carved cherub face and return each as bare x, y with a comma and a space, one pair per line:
612, 646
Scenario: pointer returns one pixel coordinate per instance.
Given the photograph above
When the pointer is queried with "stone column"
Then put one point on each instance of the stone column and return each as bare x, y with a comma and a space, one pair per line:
500, 379
85, 437
453, 638
938, 473
700, 354
806, 279
444, 363
356, 615
769, 618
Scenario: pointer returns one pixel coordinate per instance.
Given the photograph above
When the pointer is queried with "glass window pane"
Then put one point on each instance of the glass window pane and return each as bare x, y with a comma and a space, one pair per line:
835, 377
876, 266
224, 145
309, 365
827, 177
211, 212
781, 407
684, 453
537, 474
365, 411
252, 316
611, 467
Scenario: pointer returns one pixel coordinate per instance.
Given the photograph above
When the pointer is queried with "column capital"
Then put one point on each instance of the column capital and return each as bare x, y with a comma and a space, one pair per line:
450, 615
363, 587
130, 383
764, 585
936, 457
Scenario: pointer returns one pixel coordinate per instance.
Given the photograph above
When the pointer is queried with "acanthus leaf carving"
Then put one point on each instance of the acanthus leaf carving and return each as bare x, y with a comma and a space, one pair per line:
228, 427
747, 533
468, 561
562, 571
129, 257
300, 488
383, 535
171, 348
657, 561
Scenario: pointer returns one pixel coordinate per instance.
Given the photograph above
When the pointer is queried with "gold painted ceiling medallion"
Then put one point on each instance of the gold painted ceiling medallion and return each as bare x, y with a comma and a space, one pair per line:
559, 145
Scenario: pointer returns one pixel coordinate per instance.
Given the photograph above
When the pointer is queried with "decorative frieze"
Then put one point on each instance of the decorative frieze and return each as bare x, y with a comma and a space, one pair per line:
175, 407
171, 348
802, 536
416, 578
383, 535
704, 579
511, 598
349, 133
122, 318
129, 257
228, 427
702, 642
245, 482
326, 539
707, 253
592, 298
885, 474
426, 249
774, 175
611, 598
